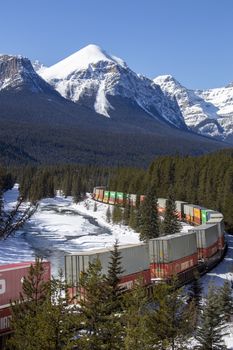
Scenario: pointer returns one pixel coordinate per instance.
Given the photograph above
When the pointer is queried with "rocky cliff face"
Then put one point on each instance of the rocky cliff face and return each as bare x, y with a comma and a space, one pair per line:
208, 112
17, 73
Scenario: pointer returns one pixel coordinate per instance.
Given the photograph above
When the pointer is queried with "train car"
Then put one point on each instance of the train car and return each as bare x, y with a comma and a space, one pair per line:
97, 190
134, 261
106, 196
188, 212
142, 198
112, 197
207, 240
180, 208
215, 214
221, 230
172, 254
197, 218
11, 281
205, 215
120, 198
162, 202
133, 200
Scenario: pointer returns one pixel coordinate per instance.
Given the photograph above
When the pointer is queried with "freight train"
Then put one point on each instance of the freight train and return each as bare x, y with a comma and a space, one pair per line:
180, 254
11, 279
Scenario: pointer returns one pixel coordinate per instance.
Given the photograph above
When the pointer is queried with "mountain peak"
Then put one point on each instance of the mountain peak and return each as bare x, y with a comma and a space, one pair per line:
166, 78
80, 60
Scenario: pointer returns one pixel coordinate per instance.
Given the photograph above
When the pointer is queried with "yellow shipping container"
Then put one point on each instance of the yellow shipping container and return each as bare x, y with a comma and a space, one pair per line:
197, 213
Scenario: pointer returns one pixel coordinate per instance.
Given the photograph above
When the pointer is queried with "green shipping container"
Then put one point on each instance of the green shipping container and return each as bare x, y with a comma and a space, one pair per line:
120, 195
204, 216
112, 194
106, 194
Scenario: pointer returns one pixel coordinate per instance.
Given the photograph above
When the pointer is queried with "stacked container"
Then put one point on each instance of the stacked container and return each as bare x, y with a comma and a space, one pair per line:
134, 262
196, 215
221, 229
133, 200
98, 192
205, 215
112, 197
207, 240
120, 198
172, 254
180, 208
188, 212
106, 196
162, 205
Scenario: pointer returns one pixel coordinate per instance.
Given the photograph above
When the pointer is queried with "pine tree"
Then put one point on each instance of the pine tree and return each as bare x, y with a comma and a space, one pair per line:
210, 332
134, 218
126, 213
149, 225
195, 292
170, 321
113, 277
116, 214
136, 318
226, 301
102, 327
95, 207
108, 214
171, 223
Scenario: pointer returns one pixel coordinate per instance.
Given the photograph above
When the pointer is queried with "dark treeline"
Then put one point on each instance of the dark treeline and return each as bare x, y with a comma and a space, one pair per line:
75, 180
205, 180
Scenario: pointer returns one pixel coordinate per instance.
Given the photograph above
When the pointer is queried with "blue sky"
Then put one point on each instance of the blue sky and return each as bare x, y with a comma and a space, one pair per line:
190, 39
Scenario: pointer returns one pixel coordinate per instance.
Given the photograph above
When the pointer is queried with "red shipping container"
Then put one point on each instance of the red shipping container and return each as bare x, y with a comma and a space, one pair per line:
11, 279
5, 318
221, 242
129, 280
142, 198
165, 270
205, 253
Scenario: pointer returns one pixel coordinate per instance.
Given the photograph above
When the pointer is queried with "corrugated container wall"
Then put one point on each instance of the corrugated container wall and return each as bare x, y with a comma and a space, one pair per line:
135, 258
133, 199
172, 247
207, 235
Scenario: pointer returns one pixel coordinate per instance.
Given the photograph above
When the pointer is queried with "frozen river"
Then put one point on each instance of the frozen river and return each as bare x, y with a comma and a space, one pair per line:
59, 227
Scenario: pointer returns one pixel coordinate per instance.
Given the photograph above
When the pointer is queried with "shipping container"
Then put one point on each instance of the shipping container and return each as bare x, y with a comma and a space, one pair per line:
180, 208
142, 198
112, 197
162, 202
221, 230
215, 214
205, 215
11, 278
133, 200
5, 319
120, 198
135, 258
197, 214
188, 209
106, 196
172, 247
167, 270
207, 240
97, 191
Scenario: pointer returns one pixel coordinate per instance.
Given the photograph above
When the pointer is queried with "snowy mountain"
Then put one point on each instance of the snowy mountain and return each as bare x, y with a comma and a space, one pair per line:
17, 73
208, 112
94, 78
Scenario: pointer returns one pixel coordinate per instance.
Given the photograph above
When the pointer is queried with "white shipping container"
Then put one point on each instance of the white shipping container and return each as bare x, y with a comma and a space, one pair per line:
170, 248
220, 224
188, 209
162, 202
206, 235
135, 258
180, 205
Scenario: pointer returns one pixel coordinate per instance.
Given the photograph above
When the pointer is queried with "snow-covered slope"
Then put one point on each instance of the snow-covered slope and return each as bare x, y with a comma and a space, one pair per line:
208, 112
17, 73
92, 77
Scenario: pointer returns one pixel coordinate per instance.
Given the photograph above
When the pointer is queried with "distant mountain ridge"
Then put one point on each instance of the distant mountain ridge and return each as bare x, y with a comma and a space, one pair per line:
207, 112
93, 109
